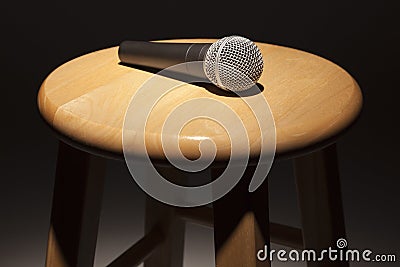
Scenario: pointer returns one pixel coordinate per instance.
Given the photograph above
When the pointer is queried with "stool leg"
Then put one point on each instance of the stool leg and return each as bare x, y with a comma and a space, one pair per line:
320, 203
241, 224
171, 251
76, 208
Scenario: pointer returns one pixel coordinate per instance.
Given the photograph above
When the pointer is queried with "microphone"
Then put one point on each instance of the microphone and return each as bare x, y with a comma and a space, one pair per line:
232, 63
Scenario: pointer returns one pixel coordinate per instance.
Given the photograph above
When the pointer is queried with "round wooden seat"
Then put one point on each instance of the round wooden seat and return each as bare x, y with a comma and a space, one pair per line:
312, 101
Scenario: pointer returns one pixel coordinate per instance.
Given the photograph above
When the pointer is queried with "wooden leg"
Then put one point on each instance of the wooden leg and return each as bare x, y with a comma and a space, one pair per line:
76, 208
241, 224
140, 251
163, 217
320, 203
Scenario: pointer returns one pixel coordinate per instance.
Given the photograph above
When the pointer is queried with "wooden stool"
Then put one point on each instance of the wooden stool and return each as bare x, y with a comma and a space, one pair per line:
313, 101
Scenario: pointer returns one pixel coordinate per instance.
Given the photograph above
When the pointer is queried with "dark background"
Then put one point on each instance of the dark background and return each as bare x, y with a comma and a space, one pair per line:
360, 36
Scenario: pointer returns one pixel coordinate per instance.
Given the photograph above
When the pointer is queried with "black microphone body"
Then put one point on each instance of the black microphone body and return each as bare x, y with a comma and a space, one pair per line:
232, 63
161, 55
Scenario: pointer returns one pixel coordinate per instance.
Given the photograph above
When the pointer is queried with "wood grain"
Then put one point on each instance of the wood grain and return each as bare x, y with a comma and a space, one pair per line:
311, 99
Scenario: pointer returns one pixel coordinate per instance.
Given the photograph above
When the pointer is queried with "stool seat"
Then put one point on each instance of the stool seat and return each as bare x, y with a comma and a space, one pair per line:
85, 100
312, 100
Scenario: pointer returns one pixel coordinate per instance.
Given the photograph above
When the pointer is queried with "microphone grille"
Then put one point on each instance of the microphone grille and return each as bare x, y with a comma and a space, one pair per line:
233, 63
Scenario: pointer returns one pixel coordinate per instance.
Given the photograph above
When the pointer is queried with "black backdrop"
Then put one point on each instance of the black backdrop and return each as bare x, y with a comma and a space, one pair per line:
361, 36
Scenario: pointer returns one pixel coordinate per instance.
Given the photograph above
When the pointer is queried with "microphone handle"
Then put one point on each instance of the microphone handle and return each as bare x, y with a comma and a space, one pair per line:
160, 55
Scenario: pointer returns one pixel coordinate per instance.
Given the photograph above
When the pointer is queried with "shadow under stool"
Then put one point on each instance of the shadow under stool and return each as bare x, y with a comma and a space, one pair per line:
313, 102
